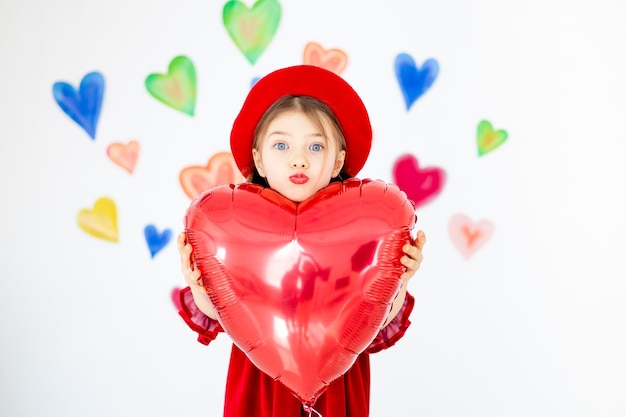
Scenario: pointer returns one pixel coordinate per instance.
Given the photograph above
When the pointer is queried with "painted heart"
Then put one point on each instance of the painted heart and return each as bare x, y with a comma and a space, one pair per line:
175, 297
302, 288
252, 29
177, 88
489, 139
156, 240
420, 184
468, 236
82, 106
101, 220
414, 81
334, 60
221, 169
124, 154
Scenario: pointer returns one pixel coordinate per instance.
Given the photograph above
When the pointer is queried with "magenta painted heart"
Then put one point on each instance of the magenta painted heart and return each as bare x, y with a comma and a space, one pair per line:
420, 184
302, 288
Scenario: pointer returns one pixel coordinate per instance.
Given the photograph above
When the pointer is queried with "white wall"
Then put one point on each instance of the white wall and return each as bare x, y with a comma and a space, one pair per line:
531, 325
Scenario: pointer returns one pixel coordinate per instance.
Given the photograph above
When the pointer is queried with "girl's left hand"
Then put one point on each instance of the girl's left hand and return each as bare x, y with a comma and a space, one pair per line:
411, 259
413, 256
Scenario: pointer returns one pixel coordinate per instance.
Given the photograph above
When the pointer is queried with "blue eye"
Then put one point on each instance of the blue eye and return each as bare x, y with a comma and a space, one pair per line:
316, 147
281, 146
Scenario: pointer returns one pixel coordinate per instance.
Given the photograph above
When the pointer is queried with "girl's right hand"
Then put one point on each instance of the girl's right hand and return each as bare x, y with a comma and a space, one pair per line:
189, 269
192, 276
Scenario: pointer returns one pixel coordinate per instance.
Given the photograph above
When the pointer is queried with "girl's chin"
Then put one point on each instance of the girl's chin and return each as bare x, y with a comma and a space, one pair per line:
296, 197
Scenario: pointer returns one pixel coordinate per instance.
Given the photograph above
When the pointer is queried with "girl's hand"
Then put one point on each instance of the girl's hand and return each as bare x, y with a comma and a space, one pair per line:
192, 276
411, 259
190, 272
413, 256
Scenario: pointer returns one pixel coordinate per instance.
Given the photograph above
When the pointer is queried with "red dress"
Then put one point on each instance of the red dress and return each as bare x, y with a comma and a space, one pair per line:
250, 392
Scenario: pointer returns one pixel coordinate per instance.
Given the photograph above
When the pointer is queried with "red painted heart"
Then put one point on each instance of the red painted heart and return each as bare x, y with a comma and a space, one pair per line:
421, 184
302, 288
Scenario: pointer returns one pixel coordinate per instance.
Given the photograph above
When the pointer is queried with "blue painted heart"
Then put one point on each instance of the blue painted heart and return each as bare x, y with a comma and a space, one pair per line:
414, 81
82, 106
156, 240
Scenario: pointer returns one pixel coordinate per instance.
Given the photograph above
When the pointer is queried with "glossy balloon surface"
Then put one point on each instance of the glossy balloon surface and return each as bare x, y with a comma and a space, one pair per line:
302, 288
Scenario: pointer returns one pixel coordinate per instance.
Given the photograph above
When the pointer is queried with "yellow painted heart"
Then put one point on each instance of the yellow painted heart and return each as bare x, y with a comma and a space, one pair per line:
101, 220
489, 139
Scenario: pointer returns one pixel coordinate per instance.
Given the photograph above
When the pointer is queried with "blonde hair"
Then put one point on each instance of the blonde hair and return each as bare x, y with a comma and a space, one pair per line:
314, 109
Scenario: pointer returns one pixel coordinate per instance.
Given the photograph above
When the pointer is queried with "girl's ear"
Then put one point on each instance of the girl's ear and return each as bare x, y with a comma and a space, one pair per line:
256, 156
341, 157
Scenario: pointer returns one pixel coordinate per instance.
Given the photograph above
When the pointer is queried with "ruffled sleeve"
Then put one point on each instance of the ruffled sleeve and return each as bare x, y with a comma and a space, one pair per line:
391, 333
207, 328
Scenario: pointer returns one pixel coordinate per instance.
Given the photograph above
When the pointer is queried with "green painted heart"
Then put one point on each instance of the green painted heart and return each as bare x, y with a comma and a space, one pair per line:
489, 139
252, 29
177, 88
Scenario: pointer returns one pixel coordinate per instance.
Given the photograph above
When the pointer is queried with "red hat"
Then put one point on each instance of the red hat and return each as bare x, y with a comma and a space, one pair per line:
304, 80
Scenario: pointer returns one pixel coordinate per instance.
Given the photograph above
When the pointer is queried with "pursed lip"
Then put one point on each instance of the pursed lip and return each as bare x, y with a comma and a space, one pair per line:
298, 178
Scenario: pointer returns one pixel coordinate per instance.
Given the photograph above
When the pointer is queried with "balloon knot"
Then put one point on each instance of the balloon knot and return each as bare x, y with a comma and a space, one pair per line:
311, 410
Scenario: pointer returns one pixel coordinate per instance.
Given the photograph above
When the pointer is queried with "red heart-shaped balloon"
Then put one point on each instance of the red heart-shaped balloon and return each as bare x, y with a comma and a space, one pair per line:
303, 288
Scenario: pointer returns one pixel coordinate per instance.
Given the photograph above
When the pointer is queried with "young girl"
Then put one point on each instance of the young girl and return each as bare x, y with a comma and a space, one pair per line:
299, 129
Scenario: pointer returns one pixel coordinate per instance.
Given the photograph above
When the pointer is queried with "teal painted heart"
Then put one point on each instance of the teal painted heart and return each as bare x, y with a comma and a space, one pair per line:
252, 29
177, 88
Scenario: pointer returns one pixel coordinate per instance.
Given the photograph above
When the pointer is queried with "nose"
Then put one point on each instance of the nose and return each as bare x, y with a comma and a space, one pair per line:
299, 161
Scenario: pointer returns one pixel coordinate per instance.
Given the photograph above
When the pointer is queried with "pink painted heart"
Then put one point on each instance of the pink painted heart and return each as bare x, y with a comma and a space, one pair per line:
468, 236
333, 59
124, 154
221, 169
175, 297
302, 288
420, 184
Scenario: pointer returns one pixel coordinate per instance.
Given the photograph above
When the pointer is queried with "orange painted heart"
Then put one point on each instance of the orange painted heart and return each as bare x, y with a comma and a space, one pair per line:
334, 60
124, 154
221, 169
101, 220
468, 236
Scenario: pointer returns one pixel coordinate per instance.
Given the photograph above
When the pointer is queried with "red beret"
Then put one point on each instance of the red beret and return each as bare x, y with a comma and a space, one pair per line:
304, 80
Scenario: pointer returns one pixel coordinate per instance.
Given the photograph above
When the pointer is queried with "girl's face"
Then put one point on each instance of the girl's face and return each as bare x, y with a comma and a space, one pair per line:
295, 157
